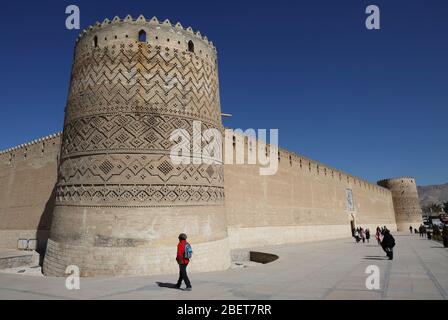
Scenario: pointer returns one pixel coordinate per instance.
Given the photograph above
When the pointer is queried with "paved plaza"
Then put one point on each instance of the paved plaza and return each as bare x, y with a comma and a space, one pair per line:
320, 270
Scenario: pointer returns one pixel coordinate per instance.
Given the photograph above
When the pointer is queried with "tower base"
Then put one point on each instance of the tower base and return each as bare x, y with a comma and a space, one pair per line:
210, 256
135, 241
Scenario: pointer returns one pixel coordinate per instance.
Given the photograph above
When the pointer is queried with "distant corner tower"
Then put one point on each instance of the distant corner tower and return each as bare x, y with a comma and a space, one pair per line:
406, 201
120, 201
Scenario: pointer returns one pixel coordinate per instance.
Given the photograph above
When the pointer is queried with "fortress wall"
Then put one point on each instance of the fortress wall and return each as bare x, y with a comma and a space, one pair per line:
27, 179
295, 205
304, 201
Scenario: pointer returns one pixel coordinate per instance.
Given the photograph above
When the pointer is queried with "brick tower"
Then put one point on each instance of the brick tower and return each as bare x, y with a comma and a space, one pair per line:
406, 202
120, 200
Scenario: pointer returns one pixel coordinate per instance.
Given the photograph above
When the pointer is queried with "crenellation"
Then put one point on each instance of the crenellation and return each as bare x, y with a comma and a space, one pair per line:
299, 160
30, 149
158, 33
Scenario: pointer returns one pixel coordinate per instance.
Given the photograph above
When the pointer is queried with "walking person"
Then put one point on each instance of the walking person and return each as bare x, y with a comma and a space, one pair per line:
368, 235
378, 235
183, 257
410, 229
363, 235
445, 236
388, 243
428, 232
356, 235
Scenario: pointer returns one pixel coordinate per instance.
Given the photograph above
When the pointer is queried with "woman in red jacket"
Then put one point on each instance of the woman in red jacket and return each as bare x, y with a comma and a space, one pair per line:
183, 262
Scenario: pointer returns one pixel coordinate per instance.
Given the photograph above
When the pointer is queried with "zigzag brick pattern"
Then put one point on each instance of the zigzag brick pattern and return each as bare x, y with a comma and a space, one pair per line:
125, 100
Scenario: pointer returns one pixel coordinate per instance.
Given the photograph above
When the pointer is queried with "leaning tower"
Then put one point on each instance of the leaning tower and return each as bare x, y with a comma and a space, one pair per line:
120, 200
406, 202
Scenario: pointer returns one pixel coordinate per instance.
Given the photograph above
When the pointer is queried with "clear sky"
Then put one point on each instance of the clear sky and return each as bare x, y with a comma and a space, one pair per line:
371, 103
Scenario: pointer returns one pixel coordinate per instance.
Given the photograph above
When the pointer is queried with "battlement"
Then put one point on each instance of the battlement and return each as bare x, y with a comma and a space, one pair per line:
391, 182
291, 160
36, 149
412, 179
31, 143
151, 31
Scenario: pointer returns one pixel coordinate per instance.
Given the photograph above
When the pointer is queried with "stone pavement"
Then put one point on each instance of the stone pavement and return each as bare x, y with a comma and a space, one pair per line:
321, 270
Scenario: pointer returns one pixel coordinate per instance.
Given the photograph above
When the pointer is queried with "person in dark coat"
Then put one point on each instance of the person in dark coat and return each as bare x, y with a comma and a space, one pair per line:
368, 235
356, 235
445, 236
362, 234
183, 262
388, 243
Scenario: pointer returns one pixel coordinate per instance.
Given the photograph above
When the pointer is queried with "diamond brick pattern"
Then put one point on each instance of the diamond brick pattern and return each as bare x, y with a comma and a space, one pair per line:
124, 103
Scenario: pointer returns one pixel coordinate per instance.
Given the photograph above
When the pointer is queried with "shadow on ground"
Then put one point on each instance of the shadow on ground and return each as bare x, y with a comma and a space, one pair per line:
375, 258
167, 285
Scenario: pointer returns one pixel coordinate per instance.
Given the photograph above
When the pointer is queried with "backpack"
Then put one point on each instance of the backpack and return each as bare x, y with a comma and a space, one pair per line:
188, 251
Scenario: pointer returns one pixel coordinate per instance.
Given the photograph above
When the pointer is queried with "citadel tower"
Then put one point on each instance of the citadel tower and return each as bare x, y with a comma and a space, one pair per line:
406, 202
120, 200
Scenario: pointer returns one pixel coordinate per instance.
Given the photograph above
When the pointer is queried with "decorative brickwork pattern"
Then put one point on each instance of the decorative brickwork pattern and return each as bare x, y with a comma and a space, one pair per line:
126, 98
143, 78
123, 132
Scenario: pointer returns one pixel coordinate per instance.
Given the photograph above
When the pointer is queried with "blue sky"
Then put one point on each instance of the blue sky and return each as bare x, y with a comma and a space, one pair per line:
372, 103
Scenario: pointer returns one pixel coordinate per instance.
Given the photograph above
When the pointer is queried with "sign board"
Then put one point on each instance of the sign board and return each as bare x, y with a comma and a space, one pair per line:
349, 196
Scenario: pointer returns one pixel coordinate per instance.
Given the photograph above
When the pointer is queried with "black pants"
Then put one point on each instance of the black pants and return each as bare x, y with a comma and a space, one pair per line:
445, 242
389, 252
183, 275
